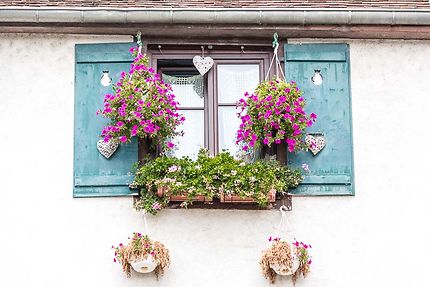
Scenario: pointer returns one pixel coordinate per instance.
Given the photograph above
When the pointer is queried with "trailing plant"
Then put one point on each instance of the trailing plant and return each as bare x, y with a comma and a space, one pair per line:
141, 105
280, 254
140, 247
274, 113
211, 176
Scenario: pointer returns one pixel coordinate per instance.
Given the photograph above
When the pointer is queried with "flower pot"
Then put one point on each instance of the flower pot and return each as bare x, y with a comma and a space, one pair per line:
146, 149
145, 265
224, 198
163, 190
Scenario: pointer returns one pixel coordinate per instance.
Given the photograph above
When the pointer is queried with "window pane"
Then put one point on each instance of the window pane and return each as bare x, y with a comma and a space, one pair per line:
228, 124
194, 134
187, 89
235, 80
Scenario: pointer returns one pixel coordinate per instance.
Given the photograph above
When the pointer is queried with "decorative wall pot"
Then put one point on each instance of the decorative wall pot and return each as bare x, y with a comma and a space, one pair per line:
285, 270
145, 265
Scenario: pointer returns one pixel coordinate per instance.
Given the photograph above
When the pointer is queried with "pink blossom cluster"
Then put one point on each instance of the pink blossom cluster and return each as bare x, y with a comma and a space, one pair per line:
303, 246
141, 105
273, 114
136, 240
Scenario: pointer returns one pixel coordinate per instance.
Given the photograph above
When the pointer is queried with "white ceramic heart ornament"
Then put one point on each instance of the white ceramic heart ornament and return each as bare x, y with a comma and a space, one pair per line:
203, 64
315, 143
107, 148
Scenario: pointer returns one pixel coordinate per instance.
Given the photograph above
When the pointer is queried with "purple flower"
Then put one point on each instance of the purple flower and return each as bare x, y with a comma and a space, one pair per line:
305, 167
156, 206
123, 139
170, 145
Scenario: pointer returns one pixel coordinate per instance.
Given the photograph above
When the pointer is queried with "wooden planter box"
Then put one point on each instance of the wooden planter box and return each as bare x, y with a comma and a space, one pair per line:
182, 197
237, 199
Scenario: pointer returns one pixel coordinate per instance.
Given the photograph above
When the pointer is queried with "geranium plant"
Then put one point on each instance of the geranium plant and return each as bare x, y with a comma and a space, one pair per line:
211, 176
284, 258
274, 113
141, 105
140, 248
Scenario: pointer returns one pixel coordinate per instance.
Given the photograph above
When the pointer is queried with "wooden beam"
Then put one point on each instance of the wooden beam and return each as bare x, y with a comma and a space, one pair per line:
235, 34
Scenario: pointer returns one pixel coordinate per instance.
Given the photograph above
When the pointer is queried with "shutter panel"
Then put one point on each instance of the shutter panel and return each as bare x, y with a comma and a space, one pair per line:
94, 175
332, 168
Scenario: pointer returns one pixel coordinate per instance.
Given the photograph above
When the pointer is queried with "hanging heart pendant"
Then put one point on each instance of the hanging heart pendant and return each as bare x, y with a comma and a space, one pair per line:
203, 64
315, 143
107, 148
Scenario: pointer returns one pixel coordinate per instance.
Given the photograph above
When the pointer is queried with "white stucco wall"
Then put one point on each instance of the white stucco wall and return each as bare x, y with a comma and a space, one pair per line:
377, 238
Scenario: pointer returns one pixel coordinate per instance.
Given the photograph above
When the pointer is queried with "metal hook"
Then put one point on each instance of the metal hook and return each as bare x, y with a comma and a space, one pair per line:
275, 40
203, 51
139, 41
242, 48
159, 49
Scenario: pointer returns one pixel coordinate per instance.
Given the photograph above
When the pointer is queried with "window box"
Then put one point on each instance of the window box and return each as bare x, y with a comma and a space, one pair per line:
181, 197
237, 199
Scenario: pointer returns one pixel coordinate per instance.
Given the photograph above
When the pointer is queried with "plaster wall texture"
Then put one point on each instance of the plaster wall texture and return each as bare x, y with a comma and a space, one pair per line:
377, 238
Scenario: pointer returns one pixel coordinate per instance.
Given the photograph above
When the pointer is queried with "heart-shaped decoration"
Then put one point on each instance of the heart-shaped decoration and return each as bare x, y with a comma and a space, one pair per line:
107, 148
203, 64
315, 143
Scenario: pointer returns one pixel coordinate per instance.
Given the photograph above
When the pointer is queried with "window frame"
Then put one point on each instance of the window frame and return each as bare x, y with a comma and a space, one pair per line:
228, 55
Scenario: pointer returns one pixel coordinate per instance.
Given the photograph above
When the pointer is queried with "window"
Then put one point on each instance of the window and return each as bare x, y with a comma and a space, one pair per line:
209, 102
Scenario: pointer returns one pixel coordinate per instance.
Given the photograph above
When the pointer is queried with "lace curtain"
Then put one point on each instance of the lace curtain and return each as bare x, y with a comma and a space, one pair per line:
196, 81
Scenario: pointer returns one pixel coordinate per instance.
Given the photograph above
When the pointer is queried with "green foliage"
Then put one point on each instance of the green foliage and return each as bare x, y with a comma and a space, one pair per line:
211, 176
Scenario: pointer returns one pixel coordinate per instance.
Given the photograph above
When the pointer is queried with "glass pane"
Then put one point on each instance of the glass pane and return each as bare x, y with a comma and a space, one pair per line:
187, 89
228, 124
235, 80
194, 134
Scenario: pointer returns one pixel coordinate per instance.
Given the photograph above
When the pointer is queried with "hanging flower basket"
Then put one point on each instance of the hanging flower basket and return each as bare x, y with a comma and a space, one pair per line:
145, 265
142, 255
286, 259
141, 106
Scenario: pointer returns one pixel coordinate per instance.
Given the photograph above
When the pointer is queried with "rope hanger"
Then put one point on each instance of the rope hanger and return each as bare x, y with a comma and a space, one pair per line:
278, 67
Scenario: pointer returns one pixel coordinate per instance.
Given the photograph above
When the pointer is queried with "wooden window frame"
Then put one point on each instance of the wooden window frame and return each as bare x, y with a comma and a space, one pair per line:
260, 56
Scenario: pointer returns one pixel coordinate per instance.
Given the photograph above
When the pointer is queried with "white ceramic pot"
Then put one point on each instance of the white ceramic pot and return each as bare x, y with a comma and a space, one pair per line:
285, 270
146, 265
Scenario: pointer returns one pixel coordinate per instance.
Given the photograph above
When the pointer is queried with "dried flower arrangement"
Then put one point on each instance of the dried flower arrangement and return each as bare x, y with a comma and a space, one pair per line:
284, 258
140, 248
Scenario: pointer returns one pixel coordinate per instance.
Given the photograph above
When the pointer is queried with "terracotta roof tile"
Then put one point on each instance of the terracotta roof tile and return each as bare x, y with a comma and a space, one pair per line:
393, 4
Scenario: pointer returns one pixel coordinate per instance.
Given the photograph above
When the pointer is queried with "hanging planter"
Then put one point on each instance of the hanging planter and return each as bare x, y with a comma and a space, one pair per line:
145, 265
141, 106
142, 255
285, 256
274, 114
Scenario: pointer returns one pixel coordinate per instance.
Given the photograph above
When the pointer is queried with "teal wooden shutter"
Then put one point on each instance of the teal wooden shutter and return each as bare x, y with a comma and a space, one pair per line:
94, 175
332, 168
